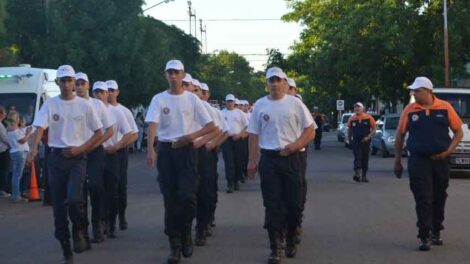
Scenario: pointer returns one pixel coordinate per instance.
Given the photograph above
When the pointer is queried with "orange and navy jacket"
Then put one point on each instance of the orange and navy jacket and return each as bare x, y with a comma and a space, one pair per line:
361, 126
428, 127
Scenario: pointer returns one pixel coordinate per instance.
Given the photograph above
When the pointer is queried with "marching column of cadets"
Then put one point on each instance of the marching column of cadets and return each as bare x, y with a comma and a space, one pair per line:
89, 138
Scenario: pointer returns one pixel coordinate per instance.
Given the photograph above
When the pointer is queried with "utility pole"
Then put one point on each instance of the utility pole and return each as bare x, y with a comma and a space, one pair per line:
190, 13
203, 37
446, 48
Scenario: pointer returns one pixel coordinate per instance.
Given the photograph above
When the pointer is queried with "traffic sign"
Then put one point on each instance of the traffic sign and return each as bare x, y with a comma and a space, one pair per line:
340, 105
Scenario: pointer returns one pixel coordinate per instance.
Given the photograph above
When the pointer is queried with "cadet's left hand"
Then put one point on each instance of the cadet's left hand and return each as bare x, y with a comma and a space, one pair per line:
210, 145
198, 144
183, 141
289, 149
110, 150
251, 169
72, 152
366, 139
441, 156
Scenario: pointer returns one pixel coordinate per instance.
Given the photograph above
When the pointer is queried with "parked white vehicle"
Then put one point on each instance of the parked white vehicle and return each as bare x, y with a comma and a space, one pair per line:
27, 88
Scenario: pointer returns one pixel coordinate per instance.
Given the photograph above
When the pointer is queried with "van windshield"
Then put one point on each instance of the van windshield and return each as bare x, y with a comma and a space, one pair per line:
345, 118
24, 104
460, 102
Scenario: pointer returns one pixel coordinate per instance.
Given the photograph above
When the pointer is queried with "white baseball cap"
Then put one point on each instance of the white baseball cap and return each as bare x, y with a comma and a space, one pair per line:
187, 78
275, 71
245, 102
204, 87
99, 85
174, 65
230, 97
359, 104
291, 82
421, 82
112, 84
65, 71
81, 76
196, 82
238, 102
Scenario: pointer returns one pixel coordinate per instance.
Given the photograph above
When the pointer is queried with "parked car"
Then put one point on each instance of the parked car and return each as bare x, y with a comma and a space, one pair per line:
384, 138
342, 126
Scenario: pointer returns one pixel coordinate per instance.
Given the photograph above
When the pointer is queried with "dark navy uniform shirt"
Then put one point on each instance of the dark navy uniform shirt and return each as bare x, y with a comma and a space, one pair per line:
361, 126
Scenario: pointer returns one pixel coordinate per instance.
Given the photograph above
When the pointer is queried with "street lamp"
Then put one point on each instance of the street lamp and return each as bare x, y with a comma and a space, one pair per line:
157, 4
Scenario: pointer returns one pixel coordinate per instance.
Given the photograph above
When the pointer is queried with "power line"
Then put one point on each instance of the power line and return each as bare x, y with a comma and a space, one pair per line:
228, 20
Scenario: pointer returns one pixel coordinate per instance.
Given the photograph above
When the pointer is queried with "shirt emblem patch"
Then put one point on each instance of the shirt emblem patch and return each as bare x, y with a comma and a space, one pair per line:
354, 124
266, 117
414, 118
166, 110
55, 117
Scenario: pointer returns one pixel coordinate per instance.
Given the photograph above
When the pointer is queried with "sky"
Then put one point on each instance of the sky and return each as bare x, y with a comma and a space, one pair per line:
248, 38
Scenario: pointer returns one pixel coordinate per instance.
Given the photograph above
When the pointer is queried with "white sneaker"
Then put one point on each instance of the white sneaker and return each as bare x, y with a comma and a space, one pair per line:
4, 194
19, 200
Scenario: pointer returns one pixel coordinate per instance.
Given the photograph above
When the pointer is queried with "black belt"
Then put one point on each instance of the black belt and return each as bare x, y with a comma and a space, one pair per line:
169, 145
58, 151
275, 153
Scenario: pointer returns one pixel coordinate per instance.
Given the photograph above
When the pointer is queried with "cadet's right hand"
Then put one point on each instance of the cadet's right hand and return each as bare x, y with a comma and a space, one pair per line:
151, 157
251, 169
398, 169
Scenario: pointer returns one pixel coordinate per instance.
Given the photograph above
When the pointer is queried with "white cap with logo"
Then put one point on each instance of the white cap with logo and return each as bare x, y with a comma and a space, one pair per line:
421, 82
275, 71
81, 76
359, 104
174, 65
99, 85
230, 97
112, 84
65, 71
204, 87
291, 83
187, 78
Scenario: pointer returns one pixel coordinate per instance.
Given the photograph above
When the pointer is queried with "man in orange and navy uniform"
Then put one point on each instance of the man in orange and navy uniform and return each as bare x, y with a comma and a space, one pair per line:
427, 122
361, 129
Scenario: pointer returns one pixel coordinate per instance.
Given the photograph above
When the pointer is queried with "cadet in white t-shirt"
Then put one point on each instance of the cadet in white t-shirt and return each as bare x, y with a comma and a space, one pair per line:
95, 160
280, 126
172, 117
68, 118
123, 154
112, 146
233, 146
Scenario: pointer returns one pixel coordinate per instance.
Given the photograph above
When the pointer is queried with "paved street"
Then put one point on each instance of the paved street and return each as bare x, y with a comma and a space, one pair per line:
345, 222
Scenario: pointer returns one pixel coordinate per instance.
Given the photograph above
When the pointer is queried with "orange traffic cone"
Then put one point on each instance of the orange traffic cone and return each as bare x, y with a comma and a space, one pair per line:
33, 187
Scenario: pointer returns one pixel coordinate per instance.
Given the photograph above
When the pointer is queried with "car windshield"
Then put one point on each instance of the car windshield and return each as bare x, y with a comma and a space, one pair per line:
24, 104
345, 118
391, 122
460, 102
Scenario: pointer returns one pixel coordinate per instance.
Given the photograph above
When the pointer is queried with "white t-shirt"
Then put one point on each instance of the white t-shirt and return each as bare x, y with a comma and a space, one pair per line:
176, 115
120, 127
236, 120
103, 114
67, 120
130, 120
248, 115
223, 123
13, 137
279, 122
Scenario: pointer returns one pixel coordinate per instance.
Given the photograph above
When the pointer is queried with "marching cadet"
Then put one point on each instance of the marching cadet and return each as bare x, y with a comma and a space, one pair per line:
292, 90
318, 117
279, 128
95, 160
123, 153
361, 129
233, 146
112, 146
245, 109
68, 117
427, 122
172, 116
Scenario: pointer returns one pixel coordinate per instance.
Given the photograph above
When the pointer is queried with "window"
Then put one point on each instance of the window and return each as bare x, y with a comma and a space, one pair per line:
25, 104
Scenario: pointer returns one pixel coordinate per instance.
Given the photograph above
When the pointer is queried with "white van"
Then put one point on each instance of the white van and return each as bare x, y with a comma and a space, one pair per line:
459, 98
27, 88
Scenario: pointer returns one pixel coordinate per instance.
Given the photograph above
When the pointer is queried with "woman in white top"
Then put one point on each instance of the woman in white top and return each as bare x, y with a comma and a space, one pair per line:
18, 139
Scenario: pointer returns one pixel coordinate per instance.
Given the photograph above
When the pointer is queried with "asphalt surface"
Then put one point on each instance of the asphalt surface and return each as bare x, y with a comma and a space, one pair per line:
345, 222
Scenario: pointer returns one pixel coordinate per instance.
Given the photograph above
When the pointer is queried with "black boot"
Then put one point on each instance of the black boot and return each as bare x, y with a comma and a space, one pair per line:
236, 186
112, 232
424, 244
357, 175
67, 251
122, 221
98, 236
436, 239
291, 242
275, 241
230, 187
87, 239
175, 255
201, 238
299, 232
364, 177
187, 242
79, 242
209, 231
